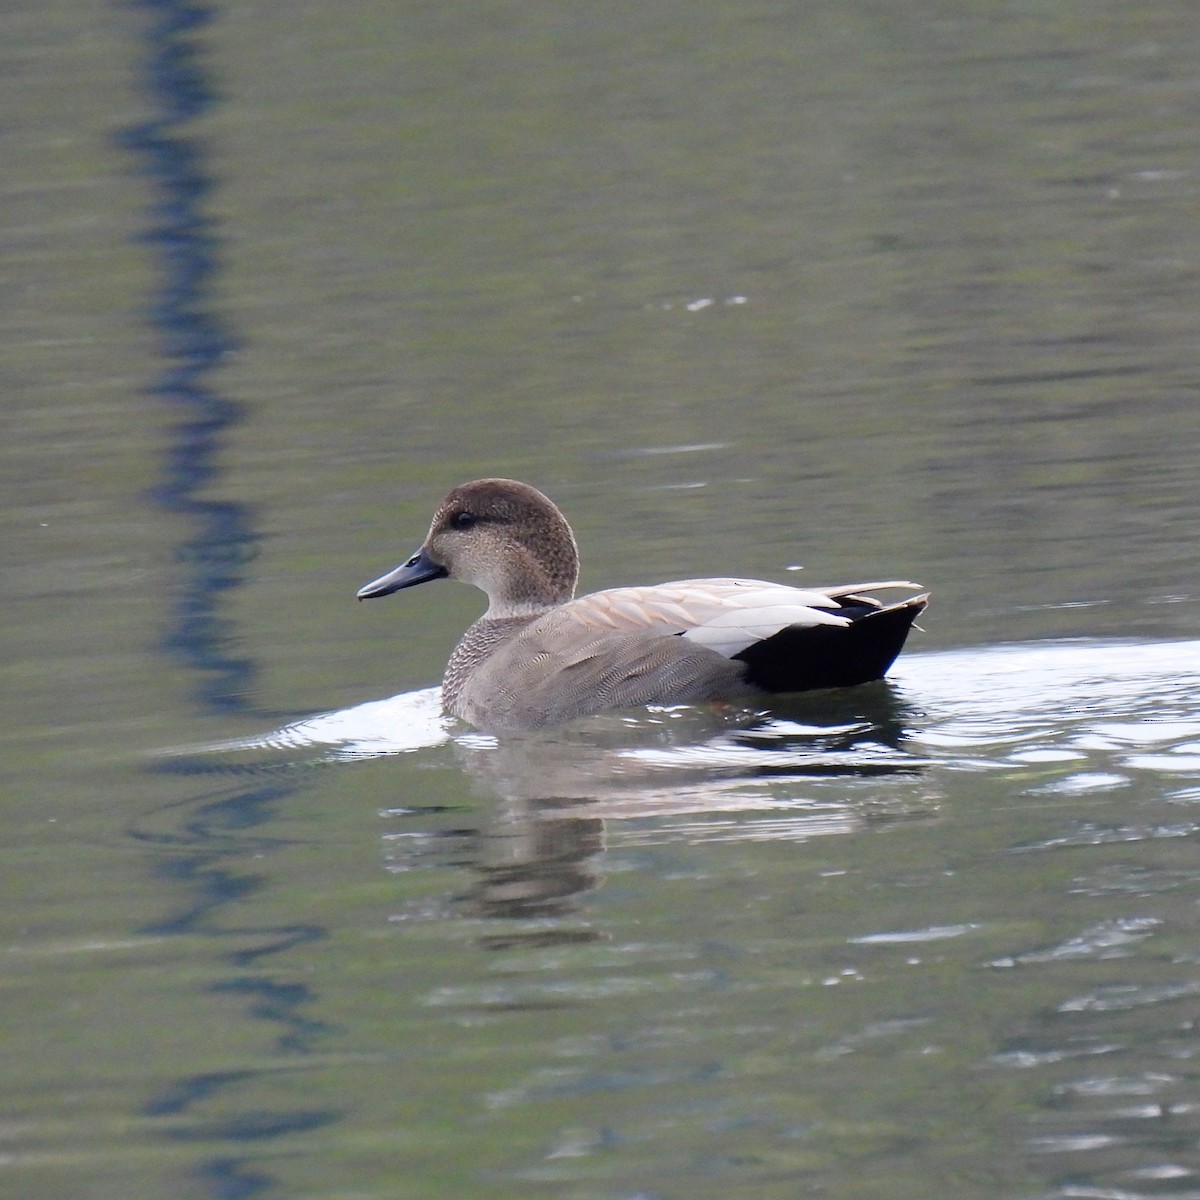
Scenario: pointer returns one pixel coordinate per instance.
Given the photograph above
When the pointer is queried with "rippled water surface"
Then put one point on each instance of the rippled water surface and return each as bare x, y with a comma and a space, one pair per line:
868, 290
937, 929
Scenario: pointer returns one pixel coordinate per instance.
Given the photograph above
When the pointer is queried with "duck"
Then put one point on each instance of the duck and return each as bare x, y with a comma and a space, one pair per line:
541, 657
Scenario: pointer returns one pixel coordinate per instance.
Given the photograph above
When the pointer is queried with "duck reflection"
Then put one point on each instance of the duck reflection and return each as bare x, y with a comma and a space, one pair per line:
689, 758
561, 797
534, 861
555, 800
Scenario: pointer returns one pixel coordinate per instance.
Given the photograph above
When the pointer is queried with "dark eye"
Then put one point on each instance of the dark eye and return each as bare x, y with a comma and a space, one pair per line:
463, 520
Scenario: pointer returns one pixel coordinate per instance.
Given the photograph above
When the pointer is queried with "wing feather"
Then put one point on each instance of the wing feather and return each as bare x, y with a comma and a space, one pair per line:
726, 615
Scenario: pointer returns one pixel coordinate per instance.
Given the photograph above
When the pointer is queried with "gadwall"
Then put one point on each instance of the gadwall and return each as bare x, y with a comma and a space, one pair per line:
540, 657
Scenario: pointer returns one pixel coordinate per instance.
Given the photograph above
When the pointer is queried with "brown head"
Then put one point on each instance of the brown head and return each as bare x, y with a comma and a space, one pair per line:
504, 537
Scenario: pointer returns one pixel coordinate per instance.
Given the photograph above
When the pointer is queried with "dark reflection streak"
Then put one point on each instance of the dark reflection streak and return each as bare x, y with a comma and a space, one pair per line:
218, 542
186, 248
1113, 372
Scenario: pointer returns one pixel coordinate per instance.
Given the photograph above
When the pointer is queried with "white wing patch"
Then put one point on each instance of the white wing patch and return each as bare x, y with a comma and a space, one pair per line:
726, 615
760, 615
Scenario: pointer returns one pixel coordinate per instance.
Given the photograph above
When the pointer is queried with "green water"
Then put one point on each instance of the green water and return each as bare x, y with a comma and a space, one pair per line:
880, 291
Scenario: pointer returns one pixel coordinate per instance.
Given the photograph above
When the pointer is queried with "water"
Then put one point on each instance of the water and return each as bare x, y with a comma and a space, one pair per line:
874, 292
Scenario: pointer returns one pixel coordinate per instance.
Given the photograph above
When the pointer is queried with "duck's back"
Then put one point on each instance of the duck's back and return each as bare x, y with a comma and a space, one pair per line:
686, 642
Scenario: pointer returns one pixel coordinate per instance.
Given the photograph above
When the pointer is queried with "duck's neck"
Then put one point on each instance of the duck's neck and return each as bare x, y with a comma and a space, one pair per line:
480, 641
532, 585
508, 609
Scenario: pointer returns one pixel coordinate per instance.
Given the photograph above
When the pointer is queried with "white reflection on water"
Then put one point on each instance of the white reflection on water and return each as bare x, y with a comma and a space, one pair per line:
1072, 718
397, 725
1050, 702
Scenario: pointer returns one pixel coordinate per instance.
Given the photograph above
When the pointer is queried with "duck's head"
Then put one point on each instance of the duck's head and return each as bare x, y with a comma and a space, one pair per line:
504, 537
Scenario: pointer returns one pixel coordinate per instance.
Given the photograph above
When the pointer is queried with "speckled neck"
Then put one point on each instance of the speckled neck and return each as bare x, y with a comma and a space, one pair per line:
480, 641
